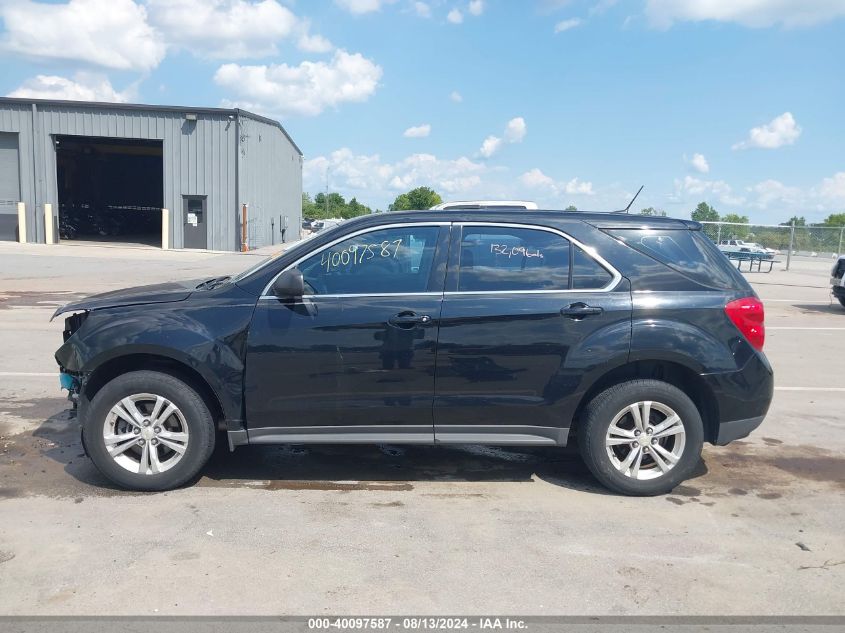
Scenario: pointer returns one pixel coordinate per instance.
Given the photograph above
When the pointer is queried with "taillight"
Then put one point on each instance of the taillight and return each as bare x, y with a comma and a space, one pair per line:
747, 315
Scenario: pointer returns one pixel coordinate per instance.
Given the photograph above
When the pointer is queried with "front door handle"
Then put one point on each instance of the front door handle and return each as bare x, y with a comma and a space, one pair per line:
578, 311
409, 319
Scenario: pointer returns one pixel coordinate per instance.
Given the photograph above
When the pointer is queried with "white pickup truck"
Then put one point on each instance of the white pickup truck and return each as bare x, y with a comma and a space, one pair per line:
837, 279
730, 247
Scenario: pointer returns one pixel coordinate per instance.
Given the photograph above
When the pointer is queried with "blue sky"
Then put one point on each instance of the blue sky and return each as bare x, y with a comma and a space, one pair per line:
737, 102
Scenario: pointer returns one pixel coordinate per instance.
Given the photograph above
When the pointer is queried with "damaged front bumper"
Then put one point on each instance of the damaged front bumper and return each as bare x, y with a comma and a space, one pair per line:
72, 384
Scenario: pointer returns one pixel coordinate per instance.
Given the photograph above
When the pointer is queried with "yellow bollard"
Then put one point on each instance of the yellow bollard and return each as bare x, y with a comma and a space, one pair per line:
49, 236
165, 229
21, 223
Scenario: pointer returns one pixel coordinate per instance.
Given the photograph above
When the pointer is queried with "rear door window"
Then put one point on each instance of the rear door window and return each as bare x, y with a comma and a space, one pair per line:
587, 273
496, 258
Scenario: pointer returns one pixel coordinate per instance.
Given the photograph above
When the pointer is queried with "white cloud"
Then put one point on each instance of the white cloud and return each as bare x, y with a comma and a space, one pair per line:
699, 163
565, 25
580, 187
536, 179
515, 130
772, 191
476, 7
602, 6
306, 89
354, 173
832, 190
456, 96
83, 87
314, 43
417, 131
455, 17
359, 7
422, 9
232, 29
107, 33
691, 187
774, 198
780, 131
490, 146
751, 13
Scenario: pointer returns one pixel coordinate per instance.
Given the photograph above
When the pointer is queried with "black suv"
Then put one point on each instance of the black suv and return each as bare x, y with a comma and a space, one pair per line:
632, 335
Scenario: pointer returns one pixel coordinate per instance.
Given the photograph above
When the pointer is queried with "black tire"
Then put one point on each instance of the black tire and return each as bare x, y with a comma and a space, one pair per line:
197, 417
601, 411
842, 301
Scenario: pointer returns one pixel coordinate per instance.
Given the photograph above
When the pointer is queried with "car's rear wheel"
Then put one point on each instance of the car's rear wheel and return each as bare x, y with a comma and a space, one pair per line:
146, 430
642, 437
842, 301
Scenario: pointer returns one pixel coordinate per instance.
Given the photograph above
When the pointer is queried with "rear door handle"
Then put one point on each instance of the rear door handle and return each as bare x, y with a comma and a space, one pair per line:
580, 310
409, 319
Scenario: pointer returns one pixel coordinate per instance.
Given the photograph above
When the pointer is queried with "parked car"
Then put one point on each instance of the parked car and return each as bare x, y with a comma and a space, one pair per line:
485, 204
631, 335
733, 247
837, 280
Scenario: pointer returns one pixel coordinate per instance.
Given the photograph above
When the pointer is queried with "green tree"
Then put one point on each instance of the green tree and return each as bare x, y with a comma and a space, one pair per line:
798, 221
835, 219
355, 208
419, 198
735, 218
735, 232
308, 207
571, 207
705, 213
653, 211
332, 206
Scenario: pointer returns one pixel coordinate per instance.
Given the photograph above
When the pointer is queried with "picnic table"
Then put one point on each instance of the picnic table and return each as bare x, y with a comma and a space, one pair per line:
755, 261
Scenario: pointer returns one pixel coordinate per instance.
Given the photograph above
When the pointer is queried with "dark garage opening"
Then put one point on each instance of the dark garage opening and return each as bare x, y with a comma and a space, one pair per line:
110, 190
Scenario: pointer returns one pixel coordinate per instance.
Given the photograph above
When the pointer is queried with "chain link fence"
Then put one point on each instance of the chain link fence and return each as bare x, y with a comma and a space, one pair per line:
808, 241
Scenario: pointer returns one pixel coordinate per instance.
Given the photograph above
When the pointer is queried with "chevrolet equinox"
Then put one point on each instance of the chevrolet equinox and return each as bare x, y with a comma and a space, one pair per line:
632, 336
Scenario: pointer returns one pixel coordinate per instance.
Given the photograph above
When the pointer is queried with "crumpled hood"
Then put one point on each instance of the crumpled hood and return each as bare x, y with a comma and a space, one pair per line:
155, 293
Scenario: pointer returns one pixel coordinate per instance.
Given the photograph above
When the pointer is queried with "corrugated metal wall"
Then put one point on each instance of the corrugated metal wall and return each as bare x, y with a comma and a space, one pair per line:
270, 183
200, 158
17, 118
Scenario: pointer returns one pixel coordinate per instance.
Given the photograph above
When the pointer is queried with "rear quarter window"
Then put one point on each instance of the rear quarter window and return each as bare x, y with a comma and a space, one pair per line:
687, 252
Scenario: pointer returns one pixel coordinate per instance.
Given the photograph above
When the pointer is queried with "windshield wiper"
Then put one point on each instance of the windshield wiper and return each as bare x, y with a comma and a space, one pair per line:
213, 282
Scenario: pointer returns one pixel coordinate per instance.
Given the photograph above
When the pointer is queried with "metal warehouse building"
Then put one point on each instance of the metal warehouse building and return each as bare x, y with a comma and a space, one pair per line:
172, 176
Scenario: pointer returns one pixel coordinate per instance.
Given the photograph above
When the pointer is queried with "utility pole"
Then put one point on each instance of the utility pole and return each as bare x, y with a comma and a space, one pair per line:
327, 192
839, 250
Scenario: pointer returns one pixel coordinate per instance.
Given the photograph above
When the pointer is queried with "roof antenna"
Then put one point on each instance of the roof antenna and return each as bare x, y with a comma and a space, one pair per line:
628, 208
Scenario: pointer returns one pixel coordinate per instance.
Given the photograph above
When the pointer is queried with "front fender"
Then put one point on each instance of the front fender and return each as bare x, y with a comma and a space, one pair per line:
208, 336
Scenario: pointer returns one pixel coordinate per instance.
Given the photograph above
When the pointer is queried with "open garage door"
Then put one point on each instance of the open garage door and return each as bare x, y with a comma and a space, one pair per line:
10, 186
110, 190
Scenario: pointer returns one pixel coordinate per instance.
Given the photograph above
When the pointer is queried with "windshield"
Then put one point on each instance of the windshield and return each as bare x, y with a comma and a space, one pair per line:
257, 266
268, 260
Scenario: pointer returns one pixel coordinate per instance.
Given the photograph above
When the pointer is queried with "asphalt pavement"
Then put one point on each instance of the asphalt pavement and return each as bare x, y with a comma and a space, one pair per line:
390, 529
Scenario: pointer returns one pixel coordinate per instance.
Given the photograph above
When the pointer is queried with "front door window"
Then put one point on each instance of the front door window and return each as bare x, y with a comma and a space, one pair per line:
388, 261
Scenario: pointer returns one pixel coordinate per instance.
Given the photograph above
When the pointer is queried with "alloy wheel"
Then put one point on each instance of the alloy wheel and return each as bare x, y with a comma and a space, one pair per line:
145, 433
645, 440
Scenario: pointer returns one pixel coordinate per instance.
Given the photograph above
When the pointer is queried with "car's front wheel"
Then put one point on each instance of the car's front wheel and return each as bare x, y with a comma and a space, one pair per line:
146, 430
641, 437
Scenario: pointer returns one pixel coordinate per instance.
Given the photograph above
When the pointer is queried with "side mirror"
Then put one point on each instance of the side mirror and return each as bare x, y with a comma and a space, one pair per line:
289, 285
